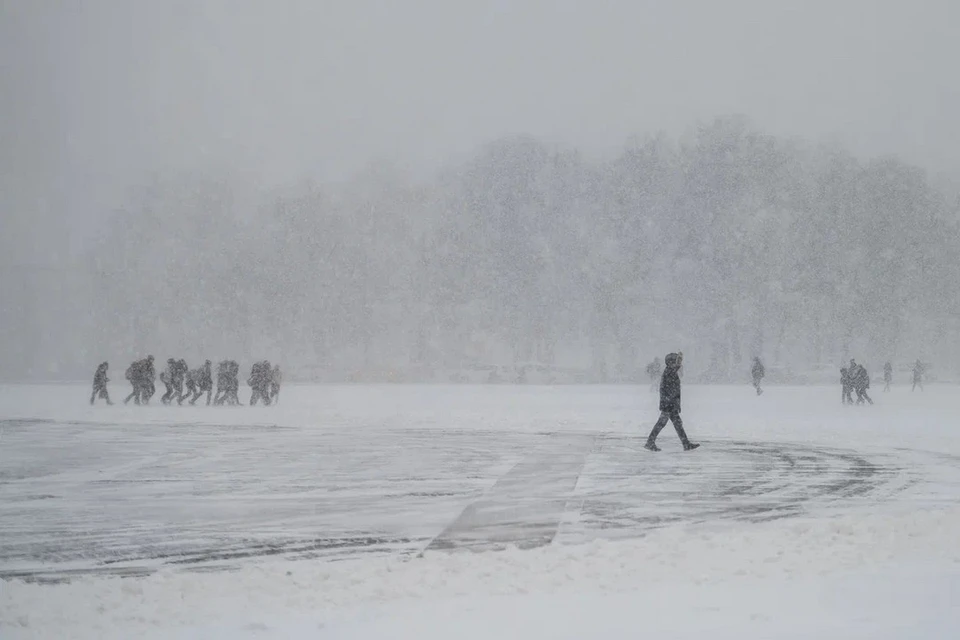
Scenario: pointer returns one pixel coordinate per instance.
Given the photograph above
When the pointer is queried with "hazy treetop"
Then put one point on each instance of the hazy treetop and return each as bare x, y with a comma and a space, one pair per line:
100, 93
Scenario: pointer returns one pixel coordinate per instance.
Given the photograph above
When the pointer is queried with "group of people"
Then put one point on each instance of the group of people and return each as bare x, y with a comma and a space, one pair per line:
854, 377
183, 383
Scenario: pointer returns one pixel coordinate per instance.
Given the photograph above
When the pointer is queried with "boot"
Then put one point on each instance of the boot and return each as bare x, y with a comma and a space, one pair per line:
651, 446
690, 446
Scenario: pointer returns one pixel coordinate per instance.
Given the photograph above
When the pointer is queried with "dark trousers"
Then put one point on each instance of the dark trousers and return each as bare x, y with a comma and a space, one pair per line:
100, 392
135, 394
260, 392
168, 395
674, 417
198, 391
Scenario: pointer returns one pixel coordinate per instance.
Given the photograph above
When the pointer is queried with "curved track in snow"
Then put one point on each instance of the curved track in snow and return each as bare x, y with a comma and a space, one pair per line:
126, 499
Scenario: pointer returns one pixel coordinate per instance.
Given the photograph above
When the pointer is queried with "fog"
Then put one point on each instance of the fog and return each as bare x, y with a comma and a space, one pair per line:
409, 190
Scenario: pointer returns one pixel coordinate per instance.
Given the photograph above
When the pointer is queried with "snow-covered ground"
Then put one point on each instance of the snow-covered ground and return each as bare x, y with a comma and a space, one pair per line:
474, 512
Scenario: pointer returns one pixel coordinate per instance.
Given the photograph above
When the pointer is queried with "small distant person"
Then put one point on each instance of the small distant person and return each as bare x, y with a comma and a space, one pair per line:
134, 374
233, 389
846, 384
148, 378
166, 377
757, 371
100, 381
861, 382
654, 369
887, 376
204, 382
670, 404
275, 379
918, 370
179, 378
228, 383
259, 382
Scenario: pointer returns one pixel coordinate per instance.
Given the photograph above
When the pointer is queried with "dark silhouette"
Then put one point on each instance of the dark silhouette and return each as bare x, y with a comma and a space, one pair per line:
757, 371
100, 381
670, 404
846, 382
861, 382
918, 371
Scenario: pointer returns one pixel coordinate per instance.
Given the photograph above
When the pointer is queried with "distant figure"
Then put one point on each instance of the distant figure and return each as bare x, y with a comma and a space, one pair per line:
137, 373
234, 392
757, 371
846, 383
148, 378
228, 383
887, 376
190, 382
259, 382
275, 379
166, 377
670, 404
653, 370
198, 381
179, 377
861, 382
204, 382
100, 381
918, 371
222, 382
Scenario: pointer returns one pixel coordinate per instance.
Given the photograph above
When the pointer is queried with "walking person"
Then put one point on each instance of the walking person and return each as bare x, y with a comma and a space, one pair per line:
861, 382
166, 377
148, 379
918, 375
757, 371
670, 404
135, 376
100, 381
275, 379
887, 376
846, 384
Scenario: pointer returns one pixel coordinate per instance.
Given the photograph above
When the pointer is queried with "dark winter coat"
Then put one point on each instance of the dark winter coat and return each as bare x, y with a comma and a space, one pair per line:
100, 377
205, 378
758, 371
670, 390
861, 379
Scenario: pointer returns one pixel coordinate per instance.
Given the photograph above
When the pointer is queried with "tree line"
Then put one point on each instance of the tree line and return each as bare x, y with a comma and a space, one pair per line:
725, 243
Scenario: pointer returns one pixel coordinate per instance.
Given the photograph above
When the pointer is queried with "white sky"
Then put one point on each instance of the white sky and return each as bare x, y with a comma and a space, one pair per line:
97, 94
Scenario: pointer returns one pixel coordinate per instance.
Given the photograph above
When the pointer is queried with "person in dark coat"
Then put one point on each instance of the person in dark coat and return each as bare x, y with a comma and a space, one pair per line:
259, 382
861, 382
179, 378
918, 375
846, 382
670, 404
134, 374
100, 381
203, 382
166, 377
887, 376
233, 381
148, 380
757, 371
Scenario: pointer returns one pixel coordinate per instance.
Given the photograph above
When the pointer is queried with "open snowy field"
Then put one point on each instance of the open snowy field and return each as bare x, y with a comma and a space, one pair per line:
476, 512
